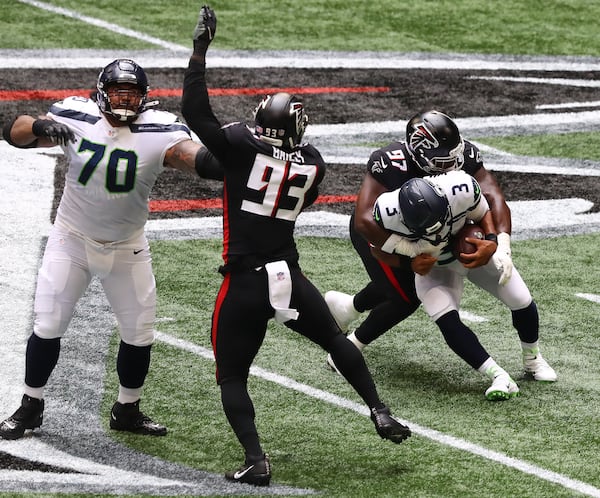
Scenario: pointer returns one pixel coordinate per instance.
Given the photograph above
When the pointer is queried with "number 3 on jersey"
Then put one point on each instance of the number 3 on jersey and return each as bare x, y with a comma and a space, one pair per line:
280, 187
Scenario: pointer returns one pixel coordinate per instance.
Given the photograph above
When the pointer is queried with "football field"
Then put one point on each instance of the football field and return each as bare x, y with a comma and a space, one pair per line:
527, 96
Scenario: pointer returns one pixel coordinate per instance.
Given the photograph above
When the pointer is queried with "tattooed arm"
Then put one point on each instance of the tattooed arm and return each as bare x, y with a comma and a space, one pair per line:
193, 158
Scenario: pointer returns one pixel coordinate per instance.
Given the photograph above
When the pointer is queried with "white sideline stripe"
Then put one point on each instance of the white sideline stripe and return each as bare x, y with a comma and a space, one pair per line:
569, 105
305, 59
544, 81
466, 125
594, 298
105, 25
432, 434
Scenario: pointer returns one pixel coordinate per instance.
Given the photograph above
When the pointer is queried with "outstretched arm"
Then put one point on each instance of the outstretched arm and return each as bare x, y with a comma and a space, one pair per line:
26, 132
194, 158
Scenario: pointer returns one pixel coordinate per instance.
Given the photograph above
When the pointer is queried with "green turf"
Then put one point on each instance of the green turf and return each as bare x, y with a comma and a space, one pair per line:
330, 449
511, 27
314, 444
582, 145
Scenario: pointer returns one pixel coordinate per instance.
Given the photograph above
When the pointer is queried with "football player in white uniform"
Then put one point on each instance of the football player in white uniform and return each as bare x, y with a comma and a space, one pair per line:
116, 147
420, 217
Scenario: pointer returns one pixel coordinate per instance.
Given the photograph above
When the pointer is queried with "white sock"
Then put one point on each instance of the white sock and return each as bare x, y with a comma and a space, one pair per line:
491, 368
127, 395
352, 338
34, 392
530, 349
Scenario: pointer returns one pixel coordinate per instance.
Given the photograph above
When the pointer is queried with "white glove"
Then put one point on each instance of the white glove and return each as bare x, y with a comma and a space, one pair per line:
414, 248
396, 244
502, 258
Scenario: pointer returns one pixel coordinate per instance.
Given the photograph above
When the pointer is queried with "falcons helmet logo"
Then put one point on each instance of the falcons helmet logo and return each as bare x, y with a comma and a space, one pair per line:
422, 138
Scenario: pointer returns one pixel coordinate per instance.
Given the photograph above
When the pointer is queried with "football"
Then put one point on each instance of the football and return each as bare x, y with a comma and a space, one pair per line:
459, 244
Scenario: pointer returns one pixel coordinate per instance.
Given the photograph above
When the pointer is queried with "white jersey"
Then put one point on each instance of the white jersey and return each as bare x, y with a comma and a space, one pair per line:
112, 169
464, 198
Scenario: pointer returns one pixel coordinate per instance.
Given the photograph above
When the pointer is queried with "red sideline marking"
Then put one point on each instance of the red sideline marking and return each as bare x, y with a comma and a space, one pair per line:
10, 95
158, 206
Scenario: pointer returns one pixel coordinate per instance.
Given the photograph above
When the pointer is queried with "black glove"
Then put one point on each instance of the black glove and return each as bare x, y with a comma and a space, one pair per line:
205, 29
59, 133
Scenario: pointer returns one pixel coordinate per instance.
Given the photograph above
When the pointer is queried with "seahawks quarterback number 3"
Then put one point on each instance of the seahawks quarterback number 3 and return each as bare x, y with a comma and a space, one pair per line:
116, 148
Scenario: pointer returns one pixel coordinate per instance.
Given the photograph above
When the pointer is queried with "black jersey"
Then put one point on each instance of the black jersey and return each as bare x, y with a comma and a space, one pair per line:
265, 188
393, 165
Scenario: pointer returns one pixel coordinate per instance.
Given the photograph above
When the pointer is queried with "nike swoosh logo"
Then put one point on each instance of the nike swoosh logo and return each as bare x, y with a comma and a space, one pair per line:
241, 473
138, 251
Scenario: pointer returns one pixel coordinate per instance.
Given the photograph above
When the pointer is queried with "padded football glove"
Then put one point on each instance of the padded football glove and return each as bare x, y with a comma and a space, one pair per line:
205, 29
59, 133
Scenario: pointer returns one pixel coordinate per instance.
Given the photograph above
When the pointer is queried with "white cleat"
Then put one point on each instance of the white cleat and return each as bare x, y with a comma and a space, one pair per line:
502, 388
538, 368
342, 308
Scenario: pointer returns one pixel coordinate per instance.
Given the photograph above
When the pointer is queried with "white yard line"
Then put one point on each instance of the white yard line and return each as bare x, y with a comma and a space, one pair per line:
104, 25
432, 434
594, 298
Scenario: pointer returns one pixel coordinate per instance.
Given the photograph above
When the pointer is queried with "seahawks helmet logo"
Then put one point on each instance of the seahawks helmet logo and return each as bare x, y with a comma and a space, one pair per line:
422, 138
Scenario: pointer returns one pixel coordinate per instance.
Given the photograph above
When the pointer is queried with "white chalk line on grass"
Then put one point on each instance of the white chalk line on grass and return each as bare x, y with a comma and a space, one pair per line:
594, 298
105, 25
439, 437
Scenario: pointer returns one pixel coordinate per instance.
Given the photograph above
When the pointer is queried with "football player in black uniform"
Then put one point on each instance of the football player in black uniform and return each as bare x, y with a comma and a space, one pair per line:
433, 145
270, 177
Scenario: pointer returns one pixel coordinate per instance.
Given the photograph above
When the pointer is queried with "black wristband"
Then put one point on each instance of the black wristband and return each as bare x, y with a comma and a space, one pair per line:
492, 237
39, 125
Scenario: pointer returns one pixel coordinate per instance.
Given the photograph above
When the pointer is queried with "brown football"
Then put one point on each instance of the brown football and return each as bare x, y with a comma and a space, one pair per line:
459, 243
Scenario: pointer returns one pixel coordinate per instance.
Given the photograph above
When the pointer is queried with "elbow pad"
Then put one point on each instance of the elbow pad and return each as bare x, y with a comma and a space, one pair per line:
207, 166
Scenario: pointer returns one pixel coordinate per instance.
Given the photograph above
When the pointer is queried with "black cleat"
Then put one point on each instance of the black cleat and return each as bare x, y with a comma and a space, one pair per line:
29, 416
254, 471
387, 426
128, 417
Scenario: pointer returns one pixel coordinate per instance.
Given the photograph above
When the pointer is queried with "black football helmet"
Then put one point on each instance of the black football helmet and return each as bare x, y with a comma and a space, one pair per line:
280, 120
434, 142
424, 207
122, 71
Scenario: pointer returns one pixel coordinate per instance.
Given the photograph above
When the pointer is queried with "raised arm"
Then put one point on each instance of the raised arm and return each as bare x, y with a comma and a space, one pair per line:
196, 108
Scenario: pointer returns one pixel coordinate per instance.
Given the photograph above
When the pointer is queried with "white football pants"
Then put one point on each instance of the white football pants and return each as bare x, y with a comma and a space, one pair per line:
442, 288
124, 269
